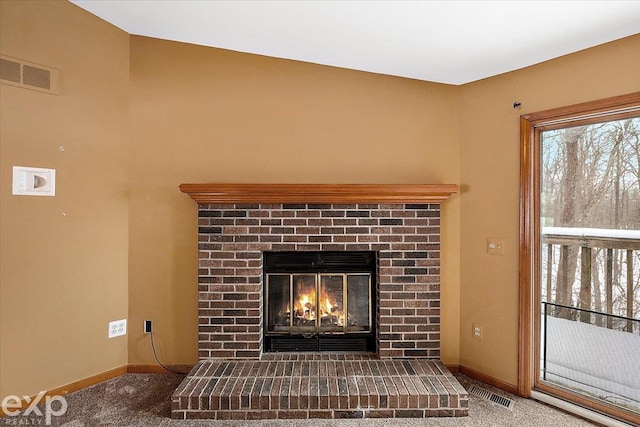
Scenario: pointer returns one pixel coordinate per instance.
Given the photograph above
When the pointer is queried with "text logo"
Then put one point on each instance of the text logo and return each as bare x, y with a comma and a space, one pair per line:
54, 406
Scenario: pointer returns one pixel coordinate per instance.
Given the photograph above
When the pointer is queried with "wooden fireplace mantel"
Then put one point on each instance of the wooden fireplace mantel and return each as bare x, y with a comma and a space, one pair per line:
319, 193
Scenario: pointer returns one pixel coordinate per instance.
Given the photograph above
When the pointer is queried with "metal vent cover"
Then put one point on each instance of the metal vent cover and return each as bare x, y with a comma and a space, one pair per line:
27, 75
37, 77
323, 261
292, 344
10, 70
483, 393
344, 344
316, 343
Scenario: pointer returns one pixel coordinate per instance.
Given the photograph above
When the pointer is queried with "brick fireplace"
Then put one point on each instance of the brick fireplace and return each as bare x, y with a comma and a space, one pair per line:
398, 224
232, 239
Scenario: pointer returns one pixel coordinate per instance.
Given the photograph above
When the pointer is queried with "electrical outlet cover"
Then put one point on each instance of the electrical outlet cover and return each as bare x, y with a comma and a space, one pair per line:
477, 331
117, 328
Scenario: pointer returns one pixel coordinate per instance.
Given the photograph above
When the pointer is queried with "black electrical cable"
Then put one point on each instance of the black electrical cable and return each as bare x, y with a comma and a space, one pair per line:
153, 347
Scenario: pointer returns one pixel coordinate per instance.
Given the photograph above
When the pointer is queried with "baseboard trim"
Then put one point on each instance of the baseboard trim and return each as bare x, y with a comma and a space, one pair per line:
454, 369
74, 386
88, 382
157, 369
487, 379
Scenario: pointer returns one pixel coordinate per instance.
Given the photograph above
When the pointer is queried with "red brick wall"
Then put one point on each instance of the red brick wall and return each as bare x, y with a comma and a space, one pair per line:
232, 238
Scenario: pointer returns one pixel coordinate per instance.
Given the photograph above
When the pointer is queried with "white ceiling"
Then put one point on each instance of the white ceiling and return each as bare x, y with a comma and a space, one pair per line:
441, 41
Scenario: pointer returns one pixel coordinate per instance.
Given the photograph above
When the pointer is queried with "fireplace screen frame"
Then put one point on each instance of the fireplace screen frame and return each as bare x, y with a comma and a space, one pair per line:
318, 328
346, 264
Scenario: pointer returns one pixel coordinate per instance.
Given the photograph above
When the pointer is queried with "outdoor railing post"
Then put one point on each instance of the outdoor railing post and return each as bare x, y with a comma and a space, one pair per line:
544, 343
585, 284
629, 289
549, 271
609, 286
563, 292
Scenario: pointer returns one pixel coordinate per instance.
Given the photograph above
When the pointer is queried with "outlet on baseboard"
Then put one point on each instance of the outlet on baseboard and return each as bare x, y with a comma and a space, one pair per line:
117, 328
147, 326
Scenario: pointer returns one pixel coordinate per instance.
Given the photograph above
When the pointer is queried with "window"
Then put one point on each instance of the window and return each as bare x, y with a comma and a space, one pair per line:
580, 255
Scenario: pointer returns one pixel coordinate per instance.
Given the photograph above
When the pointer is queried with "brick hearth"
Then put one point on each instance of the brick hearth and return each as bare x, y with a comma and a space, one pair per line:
287, 386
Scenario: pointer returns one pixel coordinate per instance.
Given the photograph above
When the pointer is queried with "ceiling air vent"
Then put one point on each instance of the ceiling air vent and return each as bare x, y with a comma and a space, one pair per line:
16, 72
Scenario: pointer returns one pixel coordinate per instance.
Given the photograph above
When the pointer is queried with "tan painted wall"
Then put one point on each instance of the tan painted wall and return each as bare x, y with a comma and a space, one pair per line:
208, 115
489, 146
199, 114
63, 278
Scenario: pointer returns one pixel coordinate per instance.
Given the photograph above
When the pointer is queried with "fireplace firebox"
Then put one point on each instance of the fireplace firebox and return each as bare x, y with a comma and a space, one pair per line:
319, 301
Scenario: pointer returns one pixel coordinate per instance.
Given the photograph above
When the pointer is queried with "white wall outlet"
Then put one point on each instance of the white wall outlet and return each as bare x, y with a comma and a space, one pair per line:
117, 328
29, 181
477, 331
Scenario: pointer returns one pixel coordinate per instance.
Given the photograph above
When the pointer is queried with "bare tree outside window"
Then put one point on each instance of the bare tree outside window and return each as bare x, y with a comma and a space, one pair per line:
590, 258
590, 179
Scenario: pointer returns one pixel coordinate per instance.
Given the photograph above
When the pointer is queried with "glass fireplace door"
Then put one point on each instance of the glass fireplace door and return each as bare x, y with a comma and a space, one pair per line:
359, 302
303, 301
309, 304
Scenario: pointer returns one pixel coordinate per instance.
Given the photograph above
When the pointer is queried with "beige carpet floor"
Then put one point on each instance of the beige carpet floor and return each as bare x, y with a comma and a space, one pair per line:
144, 400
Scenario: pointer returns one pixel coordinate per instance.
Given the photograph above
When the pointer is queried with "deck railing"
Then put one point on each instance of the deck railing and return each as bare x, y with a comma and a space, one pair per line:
560, 241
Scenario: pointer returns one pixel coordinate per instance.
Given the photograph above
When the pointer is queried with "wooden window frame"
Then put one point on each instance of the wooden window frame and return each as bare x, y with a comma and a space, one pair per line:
531, 126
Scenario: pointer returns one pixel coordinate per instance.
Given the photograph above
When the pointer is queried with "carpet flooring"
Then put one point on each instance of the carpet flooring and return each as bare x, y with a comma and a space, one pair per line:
145, 400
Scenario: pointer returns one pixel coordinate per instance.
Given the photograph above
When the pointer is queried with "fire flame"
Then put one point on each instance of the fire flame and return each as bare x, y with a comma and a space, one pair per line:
305, 308
327, 306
